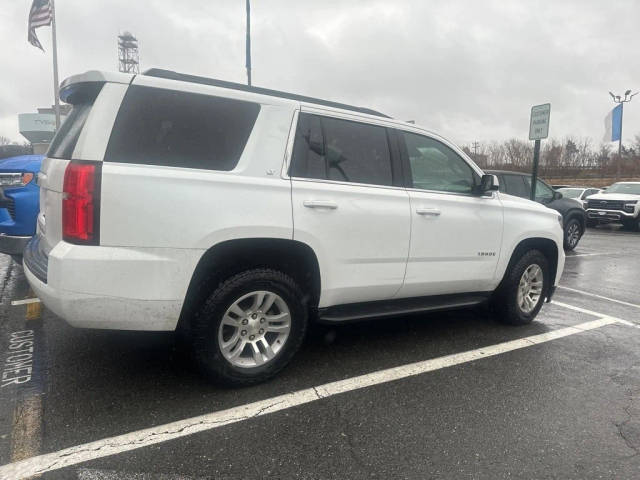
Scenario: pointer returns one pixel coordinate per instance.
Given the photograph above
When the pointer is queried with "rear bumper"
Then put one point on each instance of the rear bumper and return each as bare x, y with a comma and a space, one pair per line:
12, 244
113, 287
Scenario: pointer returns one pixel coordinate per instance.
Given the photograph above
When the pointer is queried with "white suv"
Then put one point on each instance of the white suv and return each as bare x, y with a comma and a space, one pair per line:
237, 214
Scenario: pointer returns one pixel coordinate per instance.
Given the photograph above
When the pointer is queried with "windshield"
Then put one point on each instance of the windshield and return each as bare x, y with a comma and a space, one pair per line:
630, 188
571, 192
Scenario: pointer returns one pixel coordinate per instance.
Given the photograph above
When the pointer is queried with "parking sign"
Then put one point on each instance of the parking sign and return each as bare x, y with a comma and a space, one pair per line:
539, 123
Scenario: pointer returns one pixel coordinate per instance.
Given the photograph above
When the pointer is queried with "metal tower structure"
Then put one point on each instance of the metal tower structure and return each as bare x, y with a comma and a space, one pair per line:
128, 53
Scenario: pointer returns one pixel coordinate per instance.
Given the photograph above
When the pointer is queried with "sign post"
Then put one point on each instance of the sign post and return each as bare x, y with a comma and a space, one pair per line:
538, 129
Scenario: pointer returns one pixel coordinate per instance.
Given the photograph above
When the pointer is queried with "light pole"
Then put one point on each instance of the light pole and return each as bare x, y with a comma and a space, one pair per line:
618, 99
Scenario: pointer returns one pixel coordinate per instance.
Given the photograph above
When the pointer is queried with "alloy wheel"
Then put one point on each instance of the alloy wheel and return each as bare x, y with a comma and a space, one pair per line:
530, 288
254, 329
573, 234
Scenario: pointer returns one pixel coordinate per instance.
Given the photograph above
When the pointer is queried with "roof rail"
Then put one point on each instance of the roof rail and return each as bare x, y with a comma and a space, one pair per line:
171, 75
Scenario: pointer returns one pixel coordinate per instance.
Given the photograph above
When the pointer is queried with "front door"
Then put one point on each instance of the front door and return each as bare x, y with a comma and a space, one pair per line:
456, 235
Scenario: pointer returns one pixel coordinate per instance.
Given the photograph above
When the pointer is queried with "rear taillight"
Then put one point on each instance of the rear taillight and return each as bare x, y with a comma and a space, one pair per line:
81, 203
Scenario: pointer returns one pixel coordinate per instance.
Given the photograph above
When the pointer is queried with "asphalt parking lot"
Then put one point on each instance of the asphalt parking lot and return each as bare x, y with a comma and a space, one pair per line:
449, 395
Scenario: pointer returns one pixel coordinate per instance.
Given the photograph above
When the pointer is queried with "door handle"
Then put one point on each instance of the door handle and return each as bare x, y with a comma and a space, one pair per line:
320, 204
428, 211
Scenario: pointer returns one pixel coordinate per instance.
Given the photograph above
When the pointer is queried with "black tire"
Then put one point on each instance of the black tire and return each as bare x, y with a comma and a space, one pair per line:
206, 322
633, 224
505, 302
571, 229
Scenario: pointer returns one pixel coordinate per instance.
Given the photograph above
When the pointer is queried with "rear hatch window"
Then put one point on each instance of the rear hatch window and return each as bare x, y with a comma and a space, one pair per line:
82, 97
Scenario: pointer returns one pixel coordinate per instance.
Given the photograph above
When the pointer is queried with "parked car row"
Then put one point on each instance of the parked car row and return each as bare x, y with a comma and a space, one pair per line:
618, 203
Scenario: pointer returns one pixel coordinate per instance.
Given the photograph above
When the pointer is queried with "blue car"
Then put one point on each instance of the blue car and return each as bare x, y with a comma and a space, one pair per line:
19, 202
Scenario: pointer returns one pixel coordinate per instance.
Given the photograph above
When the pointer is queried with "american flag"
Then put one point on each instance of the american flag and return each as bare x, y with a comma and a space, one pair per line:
39, 16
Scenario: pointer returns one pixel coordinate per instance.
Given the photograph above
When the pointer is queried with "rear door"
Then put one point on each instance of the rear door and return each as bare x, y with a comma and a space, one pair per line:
350, 207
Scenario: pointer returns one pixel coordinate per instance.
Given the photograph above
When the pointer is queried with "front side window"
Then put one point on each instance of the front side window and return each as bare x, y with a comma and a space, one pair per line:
544, 193
180, 129
341, 150
434, 166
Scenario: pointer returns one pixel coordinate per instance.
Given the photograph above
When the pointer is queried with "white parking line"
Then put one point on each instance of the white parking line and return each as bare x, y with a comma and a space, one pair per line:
592, 254
26, 301
596, 314
171, 431
598, 296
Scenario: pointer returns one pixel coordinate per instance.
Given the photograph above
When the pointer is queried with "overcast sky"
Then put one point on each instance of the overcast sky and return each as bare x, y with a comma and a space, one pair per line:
469, 70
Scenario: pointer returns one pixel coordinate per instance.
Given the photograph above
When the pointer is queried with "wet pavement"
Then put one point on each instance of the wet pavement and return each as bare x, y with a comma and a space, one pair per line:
540, 401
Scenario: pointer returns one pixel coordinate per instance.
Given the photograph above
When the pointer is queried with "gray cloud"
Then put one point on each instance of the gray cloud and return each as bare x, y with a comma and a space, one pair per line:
467, 69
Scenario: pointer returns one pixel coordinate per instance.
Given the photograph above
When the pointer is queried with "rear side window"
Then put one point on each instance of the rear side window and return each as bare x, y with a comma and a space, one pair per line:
515, 185
179, 129
67, 136
341, 150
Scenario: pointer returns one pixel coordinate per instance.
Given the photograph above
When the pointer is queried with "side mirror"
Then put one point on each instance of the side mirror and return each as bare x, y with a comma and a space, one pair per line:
488, 183
557, 195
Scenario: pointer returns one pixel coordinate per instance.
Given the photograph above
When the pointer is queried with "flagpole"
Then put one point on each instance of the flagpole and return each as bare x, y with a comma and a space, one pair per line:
56, 83
620, 143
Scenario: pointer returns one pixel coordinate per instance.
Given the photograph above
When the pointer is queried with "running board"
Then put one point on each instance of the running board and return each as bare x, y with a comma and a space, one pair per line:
402, 306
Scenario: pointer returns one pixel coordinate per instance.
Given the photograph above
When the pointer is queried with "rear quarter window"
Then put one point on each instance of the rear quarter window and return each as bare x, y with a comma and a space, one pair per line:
179, 129
66, 137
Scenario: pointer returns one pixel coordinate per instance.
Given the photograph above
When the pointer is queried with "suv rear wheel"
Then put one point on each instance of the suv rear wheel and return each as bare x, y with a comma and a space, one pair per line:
522, 292
250, 327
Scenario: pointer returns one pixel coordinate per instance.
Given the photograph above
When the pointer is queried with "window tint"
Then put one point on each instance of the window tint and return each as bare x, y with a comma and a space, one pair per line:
503, 185
308, 149
515, 185
341, 150
67, 137
179, 129
434, 166
65, 140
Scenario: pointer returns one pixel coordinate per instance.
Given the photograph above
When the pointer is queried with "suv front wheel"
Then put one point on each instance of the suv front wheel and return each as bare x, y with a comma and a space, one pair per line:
572, 234
522, 292
250, 327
